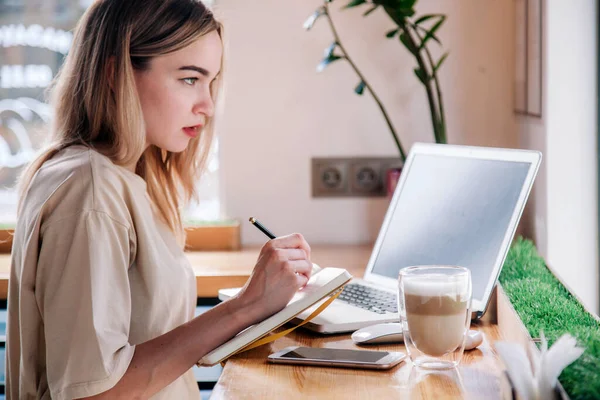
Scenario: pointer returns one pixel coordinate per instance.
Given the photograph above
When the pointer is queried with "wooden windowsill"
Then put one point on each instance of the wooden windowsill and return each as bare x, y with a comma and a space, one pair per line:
5, 240
223, 236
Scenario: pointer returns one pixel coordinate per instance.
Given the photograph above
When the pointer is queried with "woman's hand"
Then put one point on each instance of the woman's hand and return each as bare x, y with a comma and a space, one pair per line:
283, 267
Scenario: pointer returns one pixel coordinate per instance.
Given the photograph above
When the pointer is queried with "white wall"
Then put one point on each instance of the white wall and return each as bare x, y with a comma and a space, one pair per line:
572, 220
279, 112
564, 215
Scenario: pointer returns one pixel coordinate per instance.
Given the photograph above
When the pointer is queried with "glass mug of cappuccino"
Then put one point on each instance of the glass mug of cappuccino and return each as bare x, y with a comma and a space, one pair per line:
434, 302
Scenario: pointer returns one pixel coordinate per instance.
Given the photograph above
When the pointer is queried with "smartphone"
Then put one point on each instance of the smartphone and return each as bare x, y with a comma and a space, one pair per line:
337, 357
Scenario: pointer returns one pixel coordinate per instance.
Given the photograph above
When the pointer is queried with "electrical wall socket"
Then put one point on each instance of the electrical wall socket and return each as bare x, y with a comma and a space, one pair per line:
351, 176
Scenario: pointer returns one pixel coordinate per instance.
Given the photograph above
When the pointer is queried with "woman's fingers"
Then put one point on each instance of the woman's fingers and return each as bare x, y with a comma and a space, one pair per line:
301, 280
293, 241
293, 254
302, 267
282, 268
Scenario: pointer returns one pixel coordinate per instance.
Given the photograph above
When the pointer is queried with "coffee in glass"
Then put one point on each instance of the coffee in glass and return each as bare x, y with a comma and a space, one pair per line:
435, 311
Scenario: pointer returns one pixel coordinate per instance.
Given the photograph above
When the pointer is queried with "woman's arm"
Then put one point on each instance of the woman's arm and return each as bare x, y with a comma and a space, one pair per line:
283, 267
158, 362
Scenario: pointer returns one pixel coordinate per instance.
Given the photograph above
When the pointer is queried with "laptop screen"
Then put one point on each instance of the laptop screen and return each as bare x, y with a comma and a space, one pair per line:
452, 211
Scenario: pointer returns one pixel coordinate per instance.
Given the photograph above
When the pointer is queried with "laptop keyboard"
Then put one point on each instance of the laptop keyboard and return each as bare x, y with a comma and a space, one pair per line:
368, 298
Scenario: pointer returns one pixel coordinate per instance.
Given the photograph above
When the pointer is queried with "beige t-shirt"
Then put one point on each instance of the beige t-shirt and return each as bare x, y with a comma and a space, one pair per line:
93, 274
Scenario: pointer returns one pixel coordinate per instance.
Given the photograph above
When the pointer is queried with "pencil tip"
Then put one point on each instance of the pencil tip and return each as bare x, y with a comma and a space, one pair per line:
251, 219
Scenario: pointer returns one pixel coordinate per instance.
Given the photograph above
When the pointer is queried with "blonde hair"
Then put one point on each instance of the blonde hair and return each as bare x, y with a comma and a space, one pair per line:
112, 39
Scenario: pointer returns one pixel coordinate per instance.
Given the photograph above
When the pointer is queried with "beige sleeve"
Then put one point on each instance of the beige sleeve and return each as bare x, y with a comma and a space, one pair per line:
83, 293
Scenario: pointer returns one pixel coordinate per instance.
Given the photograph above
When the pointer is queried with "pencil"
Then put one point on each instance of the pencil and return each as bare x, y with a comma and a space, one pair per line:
254, 221
260, 226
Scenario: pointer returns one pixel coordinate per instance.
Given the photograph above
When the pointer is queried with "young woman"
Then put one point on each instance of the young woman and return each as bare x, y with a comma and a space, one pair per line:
102, 297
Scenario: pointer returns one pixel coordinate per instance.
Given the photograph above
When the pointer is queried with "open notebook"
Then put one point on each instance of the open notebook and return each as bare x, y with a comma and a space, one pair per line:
321, 284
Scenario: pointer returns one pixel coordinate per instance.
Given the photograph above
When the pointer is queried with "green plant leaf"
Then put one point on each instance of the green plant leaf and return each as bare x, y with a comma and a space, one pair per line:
326, 61
407, 43
398, 10
407, 3
370, 10
439, 63
401, 5
392, 33
360, 88
430, 33
403, 13
310, 21
402, 8
421, 75
424, 18
329, 50
355, 3
425, 31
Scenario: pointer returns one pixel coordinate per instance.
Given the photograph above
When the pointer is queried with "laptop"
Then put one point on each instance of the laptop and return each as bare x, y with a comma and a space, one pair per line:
453, 205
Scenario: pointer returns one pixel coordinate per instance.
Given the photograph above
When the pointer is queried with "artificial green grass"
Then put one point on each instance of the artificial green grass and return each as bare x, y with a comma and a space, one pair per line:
544, 304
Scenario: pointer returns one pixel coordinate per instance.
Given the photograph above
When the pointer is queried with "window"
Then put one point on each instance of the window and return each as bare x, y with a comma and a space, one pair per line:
35, 36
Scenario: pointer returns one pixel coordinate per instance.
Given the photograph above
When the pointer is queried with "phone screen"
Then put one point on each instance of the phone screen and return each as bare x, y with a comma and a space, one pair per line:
312, 353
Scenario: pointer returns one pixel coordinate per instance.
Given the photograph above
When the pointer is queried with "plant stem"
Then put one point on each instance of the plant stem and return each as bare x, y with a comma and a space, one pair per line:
438, 90
362, 78
430, 97
432, 108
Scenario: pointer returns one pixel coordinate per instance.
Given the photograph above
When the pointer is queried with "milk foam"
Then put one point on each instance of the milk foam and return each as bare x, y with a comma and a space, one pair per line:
434, 285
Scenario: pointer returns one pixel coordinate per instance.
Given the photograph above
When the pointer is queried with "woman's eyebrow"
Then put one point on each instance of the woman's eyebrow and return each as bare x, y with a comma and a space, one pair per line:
199, 70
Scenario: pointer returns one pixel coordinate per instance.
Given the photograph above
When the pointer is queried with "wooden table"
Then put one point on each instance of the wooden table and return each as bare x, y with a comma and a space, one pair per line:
224, 269
248, 376
217, 270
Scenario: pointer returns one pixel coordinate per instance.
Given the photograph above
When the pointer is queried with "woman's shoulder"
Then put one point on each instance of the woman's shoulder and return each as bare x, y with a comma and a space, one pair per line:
88, 163
79, 179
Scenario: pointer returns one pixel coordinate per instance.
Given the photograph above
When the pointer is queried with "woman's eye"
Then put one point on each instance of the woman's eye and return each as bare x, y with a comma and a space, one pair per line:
190, 81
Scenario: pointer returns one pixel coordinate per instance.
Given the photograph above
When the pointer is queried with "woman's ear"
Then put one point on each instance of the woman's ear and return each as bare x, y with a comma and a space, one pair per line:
110, 73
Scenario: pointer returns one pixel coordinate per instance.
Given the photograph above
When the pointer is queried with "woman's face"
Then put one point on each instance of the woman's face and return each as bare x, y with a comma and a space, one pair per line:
175, 92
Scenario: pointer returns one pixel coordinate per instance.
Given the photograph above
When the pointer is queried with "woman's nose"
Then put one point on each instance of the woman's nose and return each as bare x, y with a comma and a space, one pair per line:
205, 106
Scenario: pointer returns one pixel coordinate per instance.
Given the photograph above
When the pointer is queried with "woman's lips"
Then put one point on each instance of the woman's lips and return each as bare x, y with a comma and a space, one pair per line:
192, 131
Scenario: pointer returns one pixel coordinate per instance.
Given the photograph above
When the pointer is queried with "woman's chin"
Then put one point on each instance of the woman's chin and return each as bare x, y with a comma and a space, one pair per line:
175, 147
